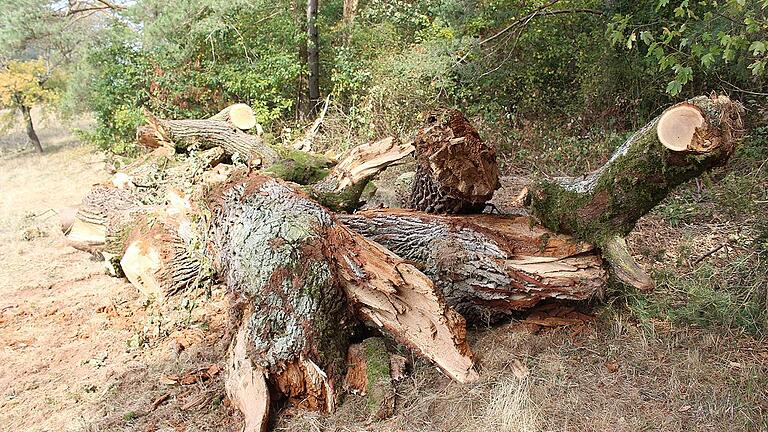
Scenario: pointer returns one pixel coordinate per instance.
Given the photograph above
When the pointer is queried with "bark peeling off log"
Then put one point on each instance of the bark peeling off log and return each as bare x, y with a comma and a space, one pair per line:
270, 248
303, 275
457, 172
487, 266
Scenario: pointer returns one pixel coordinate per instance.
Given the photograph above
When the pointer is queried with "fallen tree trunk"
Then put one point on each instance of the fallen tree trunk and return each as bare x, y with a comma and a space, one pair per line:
306, 279
488, 266
603, 207
204, 134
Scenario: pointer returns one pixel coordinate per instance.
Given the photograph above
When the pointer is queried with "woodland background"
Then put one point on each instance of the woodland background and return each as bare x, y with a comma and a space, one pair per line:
555, 85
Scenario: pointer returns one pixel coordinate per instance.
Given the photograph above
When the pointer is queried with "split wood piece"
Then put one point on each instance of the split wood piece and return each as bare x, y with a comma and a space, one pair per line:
394, 295
340, 190
246, 384
684, 142
204, 134
487, 266
88, 230
457, 172
303, 274
368, 374
158, 258
239, 115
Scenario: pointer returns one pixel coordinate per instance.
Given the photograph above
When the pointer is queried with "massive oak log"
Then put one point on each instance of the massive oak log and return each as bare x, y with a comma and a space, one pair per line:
488, 266
305, 280
457, 172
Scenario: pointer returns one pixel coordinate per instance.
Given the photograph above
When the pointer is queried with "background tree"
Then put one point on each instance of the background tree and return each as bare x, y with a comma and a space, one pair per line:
22, 86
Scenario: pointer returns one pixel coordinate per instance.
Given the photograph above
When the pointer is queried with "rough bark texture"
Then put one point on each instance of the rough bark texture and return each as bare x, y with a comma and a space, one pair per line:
637, 177
204, 134
457, 172
305, 278
487, 266
271, 248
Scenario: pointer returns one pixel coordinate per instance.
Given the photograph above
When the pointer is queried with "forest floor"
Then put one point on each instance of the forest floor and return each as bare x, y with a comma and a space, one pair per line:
85, 351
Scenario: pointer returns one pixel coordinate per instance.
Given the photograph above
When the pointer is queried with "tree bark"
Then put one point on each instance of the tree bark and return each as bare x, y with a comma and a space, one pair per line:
305, 280
313, 54
205, 134
456, 172
26, 112
487, 266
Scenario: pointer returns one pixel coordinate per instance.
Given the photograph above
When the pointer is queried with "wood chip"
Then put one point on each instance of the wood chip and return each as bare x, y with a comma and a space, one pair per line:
162, 398
519, 369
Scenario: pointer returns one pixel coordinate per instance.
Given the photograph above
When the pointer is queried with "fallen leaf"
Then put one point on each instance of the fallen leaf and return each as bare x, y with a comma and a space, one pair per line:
612, 367
684, 408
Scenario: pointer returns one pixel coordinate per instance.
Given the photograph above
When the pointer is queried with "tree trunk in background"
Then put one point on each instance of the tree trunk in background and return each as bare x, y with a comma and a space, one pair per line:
313, 60
26, 112
350, 10
302, 99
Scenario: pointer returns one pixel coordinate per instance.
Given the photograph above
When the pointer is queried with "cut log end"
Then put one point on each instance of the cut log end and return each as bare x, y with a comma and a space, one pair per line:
678, 125
240, 115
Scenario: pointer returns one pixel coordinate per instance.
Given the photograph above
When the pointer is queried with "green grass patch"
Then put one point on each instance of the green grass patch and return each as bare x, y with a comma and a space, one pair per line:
731, 296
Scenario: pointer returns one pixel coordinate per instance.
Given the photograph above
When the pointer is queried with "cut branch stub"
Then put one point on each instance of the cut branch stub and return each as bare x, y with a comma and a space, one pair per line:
487, 266
457, 172
678, 125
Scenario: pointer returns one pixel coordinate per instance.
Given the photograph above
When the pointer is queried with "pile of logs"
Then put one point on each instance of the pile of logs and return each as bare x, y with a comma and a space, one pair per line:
284, 230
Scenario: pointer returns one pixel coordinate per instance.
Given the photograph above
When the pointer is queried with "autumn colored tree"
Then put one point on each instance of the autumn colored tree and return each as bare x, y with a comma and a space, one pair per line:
22, 85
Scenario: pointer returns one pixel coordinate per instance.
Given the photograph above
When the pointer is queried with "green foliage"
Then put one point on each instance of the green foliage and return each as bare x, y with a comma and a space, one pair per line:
726, 39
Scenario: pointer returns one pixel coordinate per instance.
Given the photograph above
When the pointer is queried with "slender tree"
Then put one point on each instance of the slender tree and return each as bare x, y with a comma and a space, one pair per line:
21, 87
313, 49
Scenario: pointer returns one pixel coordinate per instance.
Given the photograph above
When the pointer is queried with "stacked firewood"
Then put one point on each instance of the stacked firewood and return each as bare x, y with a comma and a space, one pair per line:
284, 230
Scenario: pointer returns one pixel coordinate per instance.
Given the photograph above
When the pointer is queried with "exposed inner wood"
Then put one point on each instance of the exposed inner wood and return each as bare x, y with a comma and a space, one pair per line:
487, 266
368, 374
246, 384
677, 126
239, 115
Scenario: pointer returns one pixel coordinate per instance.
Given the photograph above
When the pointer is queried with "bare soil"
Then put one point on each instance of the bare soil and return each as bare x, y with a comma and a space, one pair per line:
84, 351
